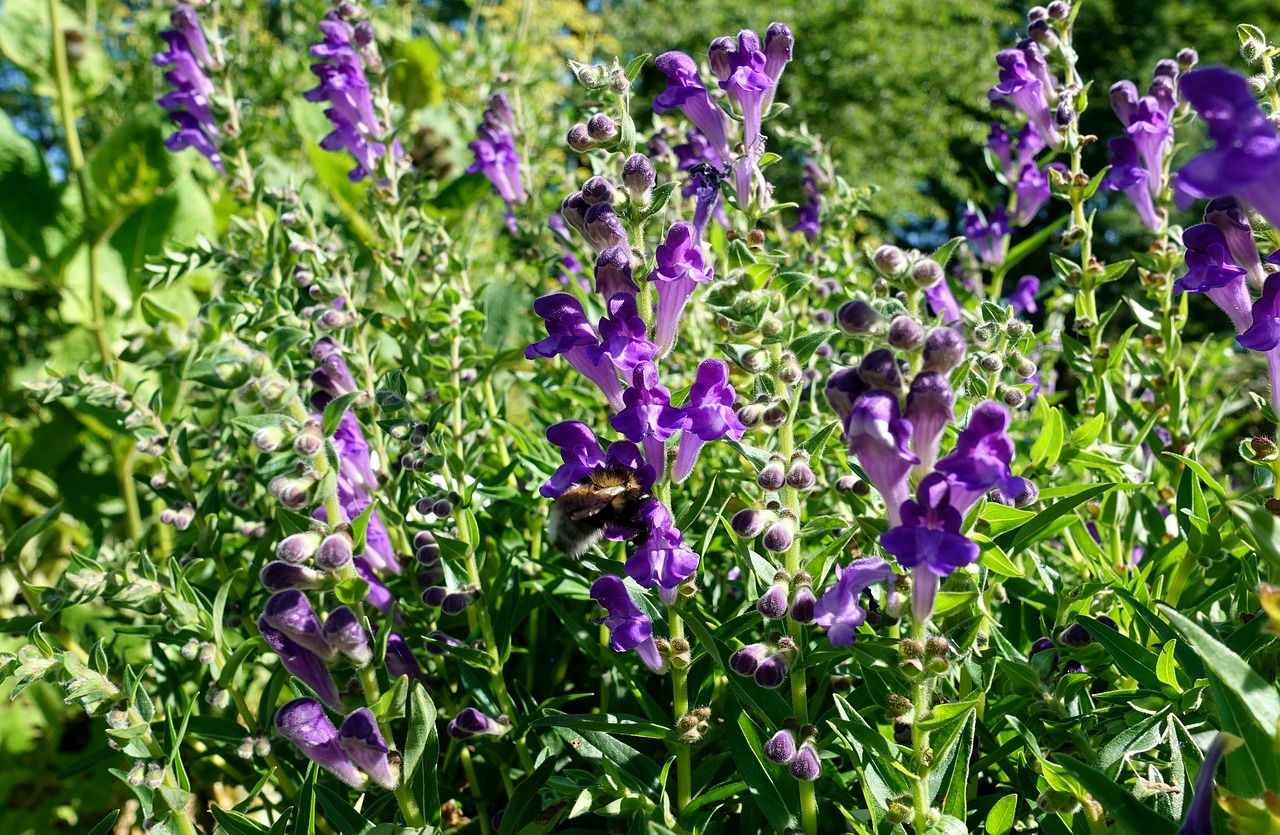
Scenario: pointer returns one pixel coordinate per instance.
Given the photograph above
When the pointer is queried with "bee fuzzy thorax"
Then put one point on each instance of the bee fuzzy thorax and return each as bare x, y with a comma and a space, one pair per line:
606, 496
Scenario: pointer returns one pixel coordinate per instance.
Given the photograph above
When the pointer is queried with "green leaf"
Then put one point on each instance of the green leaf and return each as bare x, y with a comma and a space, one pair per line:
804, 347
1002, 815
1014, 540
422, 753
340, 813
943, 253
636, 64
608, 723
745, 744
1088, 432
524, 804
335, 410
28, 531
1262, 525
790, 283
1119, 802
236, 823
1135, 660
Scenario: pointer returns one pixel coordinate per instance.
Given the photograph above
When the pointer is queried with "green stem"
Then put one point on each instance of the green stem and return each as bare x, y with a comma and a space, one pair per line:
679, 687
920, 741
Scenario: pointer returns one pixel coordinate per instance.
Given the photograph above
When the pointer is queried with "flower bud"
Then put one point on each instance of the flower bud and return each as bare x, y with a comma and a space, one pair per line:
638, 178
991, 363
309, 441
779, 536
1040, 645
803, 605
749, 522
926, 273
751, 414
1037, 13
434, 596
470, 722
155, 775
986, 333
781, 747
335, 552
847, 484
1042, 33
856, 317
591, 76
905, 333
806, 766
879, 370
208, 652
190, 649
1075, 635
789, 371
599, 190
426, 548
579, 139
245, 749
343, 632
889, 260
772, 476
1058, 10
773, 604
455, 602
1187, 58
772, 671
800, 475
268, 439
602, 128
1074, 667
943, 350
1011, 397
746, 660
278, 576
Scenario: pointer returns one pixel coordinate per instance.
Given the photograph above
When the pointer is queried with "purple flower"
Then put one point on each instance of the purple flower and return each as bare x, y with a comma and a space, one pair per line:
1031, 192
343, 632
1152, 135
400, 659
929, 541
624, 340
778, 45
681, 266
362, 742
1199, 819
303, 722
707, 416
808, 212
942, 302
686, 91
1001, 147
1023, 82
1128, 175
344, 86
1264, 333
570, 266
981, 457
580, 451
603, 228
613, 272
278, 576
987, 236
930, 407
843, 389
354, 463
496, 158
647, 415
1246, 159
469, 723
290, 612
1023, 297
629, 628
188, 104
378, 596
661, 559
569, 333
1211, 271
838, 611
748, 84
877, 435
1228, 215
302, 664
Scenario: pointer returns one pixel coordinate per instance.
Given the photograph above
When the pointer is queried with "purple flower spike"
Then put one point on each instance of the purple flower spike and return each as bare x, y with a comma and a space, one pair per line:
838, 611
343, 85
929, 541
629, 628
661, 559
344, 633
613, 272
569, 333
290, 612
980, 460
362, 742
1264, 333
1211, 271
400, 660
1246, 159
580, 450
302, 664
1128, 175
188, 104
686, 91
303, 722
1020, 84
707, 416
681, 266
1023, 298
987, 235
877, 435
624, 341
469, 723
496, 158
930, 407
647, 415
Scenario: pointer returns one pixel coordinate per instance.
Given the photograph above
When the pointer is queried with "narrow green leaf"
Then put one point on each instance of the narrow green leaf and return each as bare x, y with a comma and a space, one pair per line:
1118, 801
1000, 818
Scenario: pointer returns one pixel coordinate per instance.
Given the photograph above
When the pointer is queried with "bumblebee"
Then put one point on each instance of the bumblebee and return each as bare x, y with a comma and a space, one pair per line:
606, 497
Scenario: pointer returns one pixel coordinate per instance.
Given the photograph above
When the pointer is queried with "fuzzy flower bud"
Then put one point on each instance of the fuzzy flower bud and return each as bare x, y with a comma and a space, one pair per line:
599, 190
943, 350
806, 766
578, 139
889, 260
856, 317
745, 661
781, 747
602, 128
780, 535
772, 476
638, 178
773, 604
772, 671
749, 522
803, 604
926, 273
905, 333
334, 552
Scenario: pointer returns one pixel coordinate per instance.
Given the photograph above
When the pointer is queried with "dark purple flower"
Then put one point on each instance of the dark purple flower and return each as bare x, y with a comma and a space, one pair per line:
580, 451
929, 541
987, 235
681, 266
290, 612
1001, 147
1211, 271
569, 333
1264, 333
304, 723
1246, 159
647, 414
877, 436
686, 91
807, 766
400, 659
781, 747
1199, 819
1229, 216
188, 104
1128, 175
748, 84
344, 86
942, 302
1152, 135
838, 611
343, 632
1022, 82
981, 458
613, 272
378, 596
302, 664
778, 46
1023, 297
362, 742
930, 407
470, 723
629, 628
708, 415
843, 389
1031, 192
496, 158
603, 228
808, 212
661, 559
624, 340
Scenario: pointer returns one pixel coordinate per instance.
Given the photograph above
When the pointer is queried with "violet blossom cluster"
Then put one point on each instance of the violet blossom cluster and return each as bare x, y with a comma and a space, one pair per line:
495, 151
1138, 158
893, 437
344, 54
748, 71
355, 752
1026, 83
189, 103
